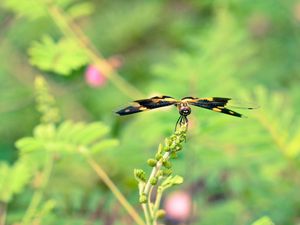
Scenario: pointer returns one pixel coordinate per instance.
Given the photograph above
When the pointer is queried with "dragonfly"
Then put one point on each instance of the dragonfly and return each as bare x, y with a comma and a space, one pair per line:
216, 104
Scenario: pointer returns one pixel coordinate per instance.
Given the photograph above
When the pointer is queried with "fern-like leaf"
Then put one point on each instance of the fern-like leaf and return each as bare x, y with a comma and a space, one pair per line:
13, 179
61, 57
66, 138
106, 144
80, 10
285, 131
32, 9
263, 221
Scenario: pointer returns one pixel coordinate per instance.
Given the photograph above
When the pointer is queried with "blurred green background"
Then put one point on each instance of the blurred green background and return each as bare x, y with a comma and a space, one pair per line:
237, 170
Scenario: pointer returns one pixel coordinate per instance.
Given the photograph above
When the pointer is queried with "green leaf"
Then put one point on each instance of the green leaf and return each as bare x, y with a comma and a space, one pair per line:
64, 128
171, 181
105, 144
45, 131
91, 133
177, 179
293, 146
28, 144
71, 134
80, 10
46, 208
263, 221
32, 9
13, 179
61, 57
68, 137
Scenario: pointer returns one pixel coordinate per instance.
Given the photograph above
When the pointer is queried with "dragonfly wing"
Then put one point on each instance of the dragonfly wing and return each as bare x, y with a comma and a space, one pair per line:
157, 101
147, 104
131, 109
216, 104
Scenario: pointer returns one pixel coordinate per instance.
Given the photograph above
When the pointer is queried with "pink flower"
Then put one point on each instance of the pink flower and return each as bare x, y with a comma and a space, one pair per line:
94, 77
178, 206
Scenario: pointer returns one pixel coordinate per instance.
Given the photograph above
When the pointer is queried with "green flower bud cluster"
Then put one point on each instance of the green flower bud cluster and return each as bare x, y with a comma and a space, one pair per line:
165, 152
174, 143
143, 198
140, 175
161, 176
46, 104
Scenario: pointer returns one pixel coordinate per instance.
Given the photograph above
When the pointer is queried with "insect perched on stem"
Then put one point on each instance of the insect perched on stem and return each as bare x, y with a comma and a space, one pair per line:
217, 104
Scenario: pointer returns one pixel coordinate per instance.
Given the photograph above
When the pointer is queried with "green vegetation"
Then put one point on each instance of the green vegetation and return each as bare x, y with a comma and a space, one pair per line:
66, 67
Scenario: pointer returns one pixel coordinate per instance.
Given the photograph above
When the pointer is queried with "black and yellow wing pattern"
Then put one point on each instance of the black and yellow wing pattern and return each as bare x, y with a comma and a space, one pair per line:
216, 104
147, 104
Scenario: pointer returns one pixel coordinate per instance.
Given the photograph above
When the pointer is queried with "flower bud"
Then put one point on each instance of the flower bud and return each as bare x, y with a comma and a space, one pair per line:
178, 147
160, 173
174, 155
139, 175
167, 148
160, 213
143, 198
158, 156
153, 181
152, 162
167, 172
167, 164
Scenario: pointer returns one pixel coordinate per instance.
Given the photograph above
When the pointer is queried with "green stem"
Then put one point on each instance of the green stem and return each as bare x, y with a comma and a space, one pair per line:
149, 187
149, 201
74, 32
173, 144
146, 213
113, 188
2, 213
38, 194
157, 202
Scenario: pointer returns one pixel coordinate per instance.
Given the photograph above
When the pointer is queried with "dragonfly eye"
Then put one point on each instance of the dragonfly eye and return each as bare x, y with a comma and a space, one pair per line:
184, 111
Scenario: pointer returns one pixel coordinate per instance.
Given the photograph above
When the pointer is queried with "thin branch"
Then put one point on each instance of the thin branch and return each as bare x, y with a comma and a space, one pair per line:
113, 188
72, 31
146, 214
2, 213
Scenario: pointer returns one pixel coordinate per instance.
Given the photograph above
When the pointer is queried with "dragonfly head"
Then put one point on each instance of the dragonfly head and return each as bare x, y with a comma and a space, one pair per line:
184, 110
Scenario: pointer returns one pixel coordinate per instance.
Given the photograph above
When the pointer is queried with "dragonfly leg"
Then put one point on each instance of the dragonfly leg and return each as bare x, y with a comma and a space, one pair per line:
182, 121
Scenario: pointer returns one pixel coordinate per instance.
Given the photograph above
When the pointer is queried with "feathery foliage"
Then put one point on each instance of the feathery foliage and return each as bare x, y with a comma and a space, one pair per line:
235, 170
61, 57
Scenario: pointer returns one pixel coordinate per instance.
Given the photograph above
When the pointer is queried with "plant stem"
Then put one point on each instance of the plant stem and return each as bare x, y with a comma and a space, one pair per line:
2, 213
147, 214
105, 178
38, 194
147, 190
149, 200
157, 201
74, 32
172, 145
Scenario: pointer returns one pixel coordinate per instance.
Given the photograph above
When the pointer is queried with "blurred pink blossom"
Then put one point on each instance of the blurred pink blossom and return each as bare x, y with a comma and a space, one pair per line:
178, 206
94, 77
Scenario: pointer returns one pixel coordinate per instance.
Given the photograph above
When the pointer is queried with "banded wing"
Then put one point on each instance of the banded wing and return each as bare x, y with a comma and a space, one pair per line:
147, 104
217, 104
